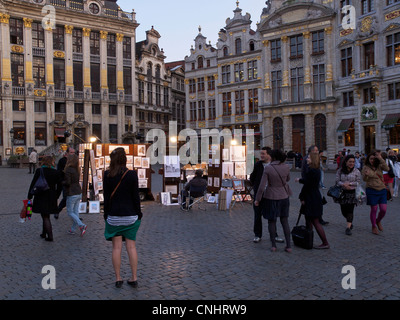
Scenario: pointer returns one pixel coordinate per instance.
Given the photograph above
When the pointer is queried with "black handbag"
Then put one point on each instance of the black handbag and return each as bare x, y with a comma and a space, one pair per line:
40, 184
302, 236
335, 192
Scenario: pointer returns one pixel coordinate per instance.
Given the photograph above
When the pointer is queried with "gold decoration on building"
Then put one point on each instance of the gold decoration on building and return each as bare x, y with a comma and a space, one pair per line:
4, 18
39, 93
103, 34
329, 72
392, 15
86, 32
307, 34
265, 43
68, 29
285, 39
17, 49
120, 37
366, 24
27, 22
346, 32
59, 54
328, 30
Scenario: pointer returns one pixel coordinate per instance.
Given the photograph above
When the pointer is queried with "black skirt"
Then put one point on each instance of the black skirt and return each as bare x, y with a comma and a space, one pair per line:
272, 209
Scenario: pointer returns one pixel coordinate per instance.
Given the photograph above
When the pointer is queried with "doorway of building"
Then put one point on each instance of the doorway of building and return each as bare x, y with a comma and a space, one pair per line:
298, 134
369, 139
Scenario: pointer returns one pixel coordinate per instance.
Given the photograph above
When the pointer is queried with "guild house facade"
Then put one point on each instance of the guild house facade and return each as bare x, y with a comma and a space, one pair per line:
314, 79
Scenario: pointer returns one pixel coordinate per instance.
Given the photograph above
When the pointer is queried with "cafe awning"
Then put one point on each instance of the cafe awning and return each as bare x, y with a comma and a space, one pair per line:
59, 132
390, 120
345, 125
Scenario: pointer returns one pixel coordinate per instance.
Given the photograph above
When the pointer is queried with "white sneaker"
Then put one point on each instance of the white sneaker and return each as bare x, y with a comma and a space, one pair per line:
256, 239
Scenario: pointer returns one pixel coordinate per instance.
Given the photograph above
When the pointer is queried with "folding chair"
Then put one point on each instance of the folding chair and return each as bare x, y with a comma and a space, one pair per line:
195, 196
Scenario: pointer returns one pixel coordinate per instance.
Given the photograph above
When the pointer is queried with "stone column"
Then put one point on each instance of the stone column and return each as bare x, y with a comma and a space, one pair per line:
285, 68
308, 94
287, 132
122, 119
50, 112
329, 60
267, 92
69, 75
309, 130
6, 81
103, 65
29, 84
87, 88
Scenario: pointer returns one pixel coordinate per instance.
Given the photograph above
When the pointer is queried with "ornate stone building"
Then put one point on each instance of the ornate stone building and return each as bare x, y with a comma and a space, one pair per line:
153, 110
368, 79
67, 66
223, 83
298, 56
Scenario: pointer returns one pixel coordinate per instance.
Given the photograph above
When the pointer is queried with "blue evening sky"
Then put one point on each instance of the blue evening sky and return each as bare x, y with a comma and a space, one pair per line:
177, 21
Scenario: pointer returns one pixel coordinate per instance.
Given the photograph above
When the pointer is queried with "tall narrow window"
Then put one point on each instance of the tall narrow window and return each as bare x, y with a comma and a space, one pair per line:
77, 40
126, 48
226, 104
39, 77
200, 84
58, 38
111, 47
239, 72
239, 102
238, 46
202, 110
253, 101
149, 93
17, 70
59, 74
112, 78
200, 63
193, 111
346, 61
95, 43
16, 31
318, 42
277, 127
296, 46
276, 50
226, 74
211, 109
367, 6
276, 81
393, 49
369, 55
95, 77
252, 69
128, 80
78, 76
166, 97
297, 84
320, 131
37, 35
113, 131
141, 91
319, 81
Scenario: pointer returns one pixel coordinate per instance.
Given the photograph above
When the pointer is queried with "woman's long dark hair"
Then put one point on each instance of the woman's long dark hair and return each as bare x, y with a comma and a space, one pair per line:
118, 162
278, 155
376, 161
73, 162
346, 170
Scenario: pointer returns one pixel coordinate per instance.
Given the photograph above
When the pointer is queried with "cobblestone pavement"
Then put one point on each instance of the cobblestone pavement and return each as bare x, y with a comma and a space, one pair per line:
197, 255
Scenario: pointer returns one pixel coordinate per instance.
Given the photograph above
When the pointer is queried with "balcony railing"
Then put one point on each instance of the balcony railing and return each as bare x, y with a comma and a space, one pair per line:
18, 91
372, 74
59, 3
59, 93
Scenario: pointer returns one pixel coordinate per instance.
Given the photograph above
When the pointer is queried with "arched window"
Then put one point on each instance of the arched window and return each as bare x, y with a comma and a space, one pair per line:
225, 50
238, 46
277, 126
320, 131
200, 63
149, 71
251, 46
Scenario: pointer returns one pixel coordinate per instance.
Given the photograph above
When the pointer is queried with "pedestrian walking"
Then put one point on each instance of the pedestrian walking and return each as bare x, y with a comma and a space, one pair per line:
60, 167
348, 177
311, 198
73, 193
122, 213
388, 176
45, 202
33, 157
276, 192
397, 177
376, 192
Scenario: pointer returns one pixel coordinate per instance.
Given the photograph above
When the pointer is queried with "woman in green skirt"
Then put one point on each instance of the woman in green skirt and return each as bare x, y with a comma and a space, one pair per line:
122, 213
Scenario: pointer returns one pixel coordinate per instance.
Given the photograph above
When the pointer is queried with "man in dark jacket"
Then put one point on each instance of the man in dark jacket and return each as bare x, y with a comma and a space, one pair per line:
198, 183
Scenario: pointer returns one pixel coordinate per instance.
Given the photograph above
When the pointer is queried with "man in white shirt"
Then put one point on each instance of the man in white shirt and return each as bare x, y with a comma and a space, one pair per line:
32, 161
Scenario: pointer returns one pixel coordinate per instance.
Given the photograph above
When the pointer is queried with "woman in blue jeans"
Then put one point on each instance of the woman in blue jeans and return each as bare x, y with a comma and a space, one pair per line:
73, 192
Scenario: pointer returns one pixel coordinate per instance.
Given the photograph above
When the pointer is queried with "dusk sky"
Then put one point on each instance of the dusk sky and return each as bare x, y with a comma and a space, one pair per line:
177, 21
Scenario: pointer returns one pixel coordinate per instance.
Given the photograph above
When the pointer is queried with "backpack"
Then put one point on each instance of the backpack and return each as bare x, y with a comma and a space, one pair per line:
40, 184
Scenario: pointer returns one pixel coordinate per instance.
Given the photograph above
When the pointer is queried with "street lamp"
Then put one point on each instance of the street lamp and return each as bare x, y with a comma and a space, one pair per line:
12, 140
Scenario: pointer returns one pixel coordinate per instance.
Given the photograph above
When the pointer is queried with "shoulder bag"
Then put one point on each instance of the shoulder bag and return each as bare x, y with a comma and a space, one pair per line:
285, 185
41, 184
